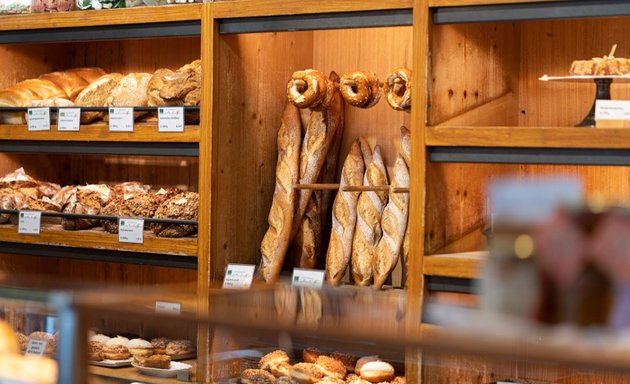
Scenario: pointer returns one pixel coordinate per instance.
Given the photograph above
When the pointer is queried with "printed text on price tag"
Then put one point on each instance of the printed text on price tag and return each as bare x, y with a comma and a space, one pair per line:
29, 222
239, 276
130, 230
310, 278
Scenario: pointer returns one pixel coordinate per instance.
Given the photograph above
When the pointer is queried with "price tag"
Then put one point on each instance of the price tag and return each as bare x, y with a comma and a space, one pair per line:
130, 230
171, 119
309, 278
121, 119
239, 276
168, 307
612, 110
36, 347
29, 222
68, 119
38, 119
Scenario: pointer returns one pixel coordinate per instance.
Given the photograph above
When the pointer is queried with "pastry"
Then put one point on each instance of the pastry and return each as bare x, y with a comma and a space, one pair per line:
362, 361
275, 242
398, 380
140, 347
180, 348
360, 89
348, 360
184, 206
368, 227
50, 339
273, 358
95, 95
95, 351
100, 338
131, 91
601, 66
344, 216
397, 89
331, 380
352, 377
330, 366
285, 380
308, 89
306, 373
118, 340
159, 345
377, 371
257, 376
116, 349
153, 361
394, 225
320, 132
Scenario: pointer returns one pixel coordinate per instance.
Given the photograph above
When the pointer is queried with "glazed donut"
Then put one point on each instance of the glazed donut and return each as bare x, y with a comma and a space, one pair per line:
308, 88
397, 89
360, 89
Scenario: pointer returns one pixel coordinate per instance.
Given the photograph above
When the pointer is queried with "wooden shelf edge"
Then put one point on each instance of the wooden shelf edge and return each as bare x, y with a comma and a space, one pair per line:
455, 3
100, 132
254, 8
133, 374
528, 137
91, 18
459, 265
52, 234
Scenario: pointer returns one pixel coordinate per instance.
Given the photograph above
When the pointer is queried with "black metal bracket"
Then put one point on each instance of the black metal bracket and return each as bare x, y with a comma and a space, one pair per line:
103, 32
110, 256
101, 148
500, 155
531, 11
338, 20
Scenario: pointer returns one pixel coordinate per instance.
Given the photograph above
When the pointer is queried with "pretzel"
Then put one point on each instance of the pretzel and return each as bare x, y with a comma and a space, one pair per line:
309, 89
397, 89
360, 89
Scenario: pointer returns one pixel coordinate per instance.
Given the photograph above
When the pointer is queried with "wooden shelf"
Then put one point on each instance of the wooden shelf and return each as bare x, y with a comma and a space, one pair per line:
459, 265
258, 8
132, 374
99, 239
109, 17
100, 132
455, 3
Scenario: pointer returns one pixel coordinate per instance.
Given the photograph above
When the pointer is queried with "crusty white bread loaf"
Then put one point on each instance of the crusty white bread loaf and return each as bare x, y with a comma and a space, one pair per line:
393, 224
369, 211
366, 150
73, 81
54, 102
405, 151
318, 138
95, 95
276, 241
131, 91
344, 216
160, 80
89, 74
22, 94
308, 239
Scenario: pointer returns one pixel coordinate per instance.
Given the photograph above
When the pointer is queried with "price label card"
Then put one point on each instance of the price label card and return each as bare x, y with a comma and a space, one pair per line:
68, 119
612, 110
309, 278
121, 119
239, 276
29, 222
36, 347
168, 307
130, 230
38, 119
171, 119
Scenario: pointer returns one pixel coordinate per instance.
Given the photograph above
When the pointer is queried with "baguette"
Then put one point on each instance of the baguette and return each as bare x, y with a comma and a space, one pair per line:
318, 138
308, 239
393, 223
366, 151
276, 241
405, 151
369, 211
344, 216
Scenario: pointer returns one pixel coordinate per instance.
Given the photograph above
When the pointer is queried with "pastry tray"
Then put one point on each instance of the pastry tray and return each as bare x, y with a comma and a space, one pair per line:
579, 78
112, 363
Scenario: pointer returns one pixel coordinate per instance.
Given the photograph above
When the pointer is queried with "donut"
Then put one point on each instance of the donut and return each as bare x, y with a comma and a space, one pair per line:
360, 89
331, 367
350, 361
140, 347
95, 351
362, 361
306, 373
307, 88
397, 89
310, 355
273, 358
377, 371
257, 376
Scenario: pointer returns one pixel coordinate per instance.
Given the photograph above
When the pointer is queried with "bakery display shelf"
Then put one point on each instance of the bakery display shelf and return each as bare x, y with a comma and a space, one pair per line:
65, 215
101, 147
457, 265
142, 22
447, 12
350, 188
98, 238
132, 374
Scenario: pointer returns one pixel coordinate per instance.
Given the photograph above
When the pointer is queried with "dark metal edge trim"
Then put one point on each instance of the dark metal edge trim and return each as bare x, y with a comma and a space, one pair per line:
560, 156
530, 11
337, 20
451, 284
103, 32
101, 148
110, 256
67, 215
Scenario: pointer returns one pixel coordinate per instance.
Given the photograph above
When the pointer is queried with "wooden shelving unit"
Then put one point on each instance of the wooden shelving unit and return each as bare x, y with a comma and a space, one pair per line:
458, 265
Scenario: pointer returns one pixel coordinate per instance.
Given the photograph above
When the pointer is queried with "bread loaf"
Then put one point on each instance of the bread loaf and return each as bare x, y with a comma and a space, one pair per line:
95, 95
405, 151
22, 94
159, 81
184, 206
318, 138
131, 91
89, 74
276, 240
87, 200
308, 239
369, 211
344, 216
177, 88
73, 81
393, 224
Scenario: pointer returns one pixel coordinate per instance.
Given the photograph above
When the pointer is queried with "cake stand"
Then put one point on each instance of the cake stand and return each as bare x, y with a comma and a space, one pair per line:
602, 91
